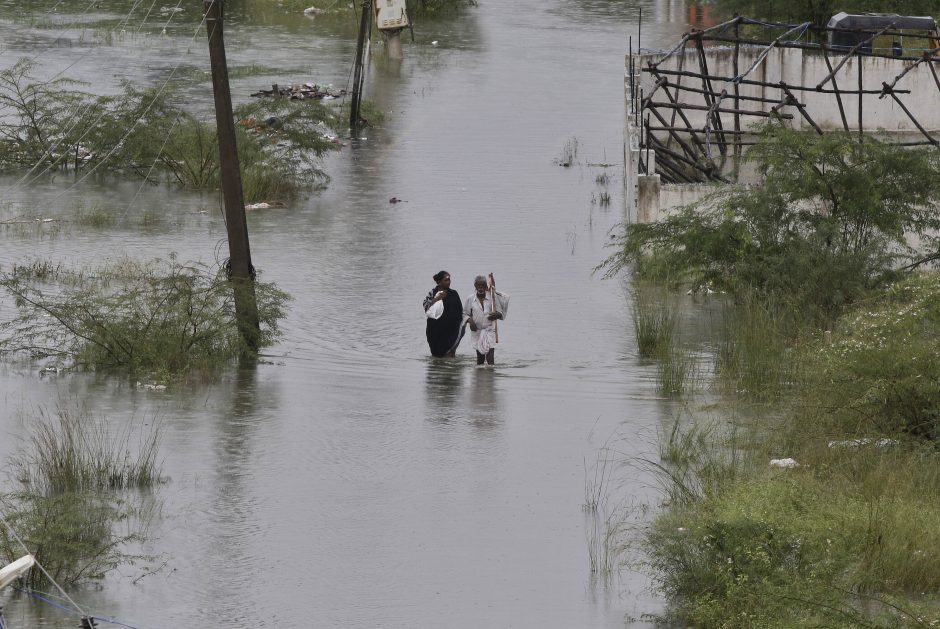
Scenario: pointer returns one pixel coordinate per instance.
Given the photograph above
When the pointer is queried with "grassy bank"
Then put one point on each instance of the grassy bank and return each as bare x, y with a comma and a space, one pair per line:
848, 536
809, 496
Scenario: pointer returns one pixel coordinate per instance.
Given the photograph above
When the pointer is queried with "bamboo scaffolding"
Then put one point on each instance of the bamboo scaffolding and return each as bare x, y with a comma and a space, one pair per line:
684, 150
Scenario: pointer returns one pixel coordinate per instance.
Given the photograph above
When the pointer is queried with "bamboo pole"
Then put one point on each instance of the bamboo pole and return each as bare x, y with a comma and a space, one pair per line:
929, 137
797, 88
727, 110
493, 306
835, 85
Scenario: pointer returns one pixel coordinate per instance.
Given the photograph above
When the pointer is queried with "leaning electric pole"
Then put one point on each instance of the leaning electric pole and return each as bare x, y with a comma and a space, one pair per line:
365, 26
241, 271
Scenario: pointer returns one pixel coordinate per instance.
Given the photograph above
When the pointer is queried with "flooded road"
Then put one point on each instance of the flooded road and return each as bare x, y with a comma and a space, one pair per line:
350, 480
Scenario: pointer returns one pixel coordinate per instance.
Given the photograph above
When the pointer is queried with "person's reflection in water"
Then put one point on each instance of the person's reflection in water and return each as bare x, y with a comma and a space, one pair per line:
444, 385
484, 399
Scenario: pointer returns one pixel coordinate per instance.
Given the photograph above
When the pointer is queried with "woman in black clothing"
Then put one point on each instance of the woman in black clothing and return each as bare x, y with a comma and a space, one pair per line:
443, 332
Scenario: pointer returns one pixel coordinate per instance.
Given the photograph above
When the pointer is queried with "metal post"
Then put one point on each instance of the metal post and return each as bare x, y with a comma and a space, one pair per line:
242, 272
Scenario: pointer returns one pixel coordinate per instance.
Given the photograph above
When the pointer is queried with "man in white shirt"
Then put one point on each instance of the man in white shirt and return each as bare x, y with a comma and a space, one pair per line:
483, 310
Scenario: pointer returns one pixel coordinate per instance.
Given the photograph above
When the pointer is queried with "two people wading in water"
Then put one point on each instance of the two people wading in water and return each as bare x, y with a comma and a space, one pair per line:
445, 317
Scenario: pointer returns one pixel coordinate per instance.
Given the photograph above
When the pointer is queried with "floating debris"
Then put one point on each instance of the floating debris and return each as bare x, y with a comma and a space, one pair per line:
396, 200
302, 91
263, 205
865, 441
151, 387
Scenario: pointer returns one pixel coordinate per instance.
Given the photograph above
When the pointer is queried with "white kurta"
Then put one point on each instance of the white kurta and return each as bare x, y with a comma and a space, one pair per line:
484, 337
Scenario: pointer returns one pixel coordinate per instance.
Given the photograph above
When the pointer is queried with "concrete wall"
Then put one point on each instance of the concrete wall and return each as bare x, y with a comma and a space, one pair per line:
656, 199
803, 68
795, 67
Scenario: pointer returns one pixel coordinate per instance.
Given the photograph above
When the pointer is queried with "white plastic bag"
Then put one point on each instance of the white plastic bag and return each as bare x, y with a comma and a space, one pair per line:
436, 310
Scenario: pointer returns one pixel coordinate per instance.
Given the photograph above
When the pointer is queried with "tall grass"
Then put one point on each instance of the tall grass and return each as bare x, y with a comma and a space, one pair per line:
604, 520
676, 372
655, 319
698, 458
656, 327
754, 357
97, 217
569, 154
70, 451
37, 270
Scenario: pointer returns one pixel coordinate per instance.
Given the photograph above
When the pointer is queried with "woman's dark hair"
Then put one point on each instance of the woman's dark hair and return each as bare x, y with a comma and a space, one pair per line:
440, 275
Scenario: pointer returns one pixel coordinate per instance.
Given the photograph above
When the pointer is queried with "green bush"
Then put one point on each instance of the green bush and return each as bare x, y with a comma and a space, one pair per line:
163, 320
145, 134
72, 535
828, 221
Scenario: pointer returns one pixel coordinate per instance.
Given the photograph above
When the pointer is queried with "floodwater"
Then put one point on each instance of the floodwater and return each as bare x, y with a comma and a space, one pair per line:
349, 480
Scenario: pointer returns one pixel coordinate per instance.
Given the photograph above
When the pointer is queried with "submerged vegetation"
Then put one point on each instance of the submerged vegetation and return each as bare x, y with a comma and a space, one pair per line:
70, 451
144, 133
811, 498
437, 8
604, 518
71, 482
162, 320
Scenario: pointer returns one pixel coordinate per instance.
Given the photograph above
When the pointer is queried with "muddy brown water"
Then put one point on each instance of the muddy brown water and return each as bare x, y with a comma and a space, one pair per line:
350, 480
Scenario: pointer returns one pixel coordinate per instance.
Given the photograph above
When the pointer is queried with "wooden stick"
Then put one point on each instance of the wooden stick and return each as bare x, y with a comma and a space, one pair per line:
493, 305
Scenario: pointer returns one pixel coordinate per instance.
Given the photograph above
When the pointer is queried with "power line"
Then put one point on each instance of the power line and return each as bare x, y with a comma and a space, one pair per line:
117, 144
132, 127
43, 570
90, 5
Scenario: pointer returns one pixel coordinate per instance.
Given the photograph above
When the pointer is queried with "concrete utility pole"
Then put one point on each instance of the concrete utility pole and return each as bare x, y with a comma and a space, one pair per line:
365, 25
242, 273
391, 18
393, 44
